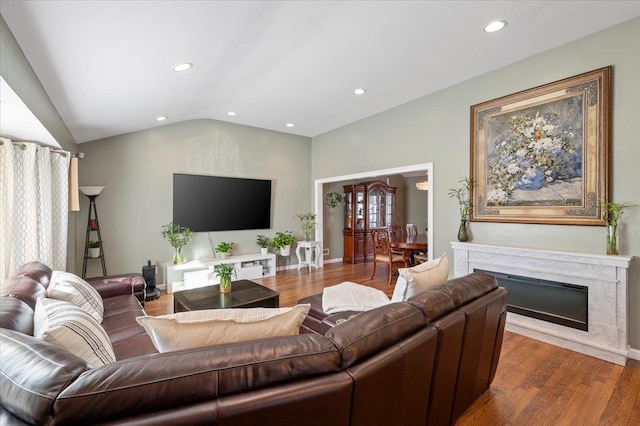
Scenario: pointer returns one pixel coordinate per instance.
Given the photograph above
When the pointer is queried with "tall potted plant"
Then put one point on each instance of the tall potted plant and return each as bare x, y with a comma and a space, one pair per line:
283, 241
611, 213
178, 236
463, 195
307, 224
224, 272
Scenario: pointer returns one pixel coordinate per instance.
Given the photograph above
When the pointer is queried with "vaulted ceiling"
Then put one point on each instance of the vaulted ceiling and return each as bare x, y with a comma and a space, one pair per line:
107, 65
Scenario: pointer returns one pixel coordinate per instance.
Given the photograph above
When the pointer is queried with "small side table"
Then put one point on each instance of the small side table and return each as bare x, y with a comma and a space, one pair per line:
311, 254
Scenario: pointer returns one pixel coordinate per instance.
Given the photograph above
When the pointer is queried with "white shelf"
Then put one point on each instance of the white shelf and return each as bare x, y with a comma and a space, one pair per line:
199, 273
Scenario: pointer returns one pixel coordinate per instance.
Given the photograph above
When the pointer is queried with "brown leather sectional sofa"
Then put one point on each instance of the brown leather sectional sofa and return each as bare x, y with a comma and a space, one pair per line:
410, 363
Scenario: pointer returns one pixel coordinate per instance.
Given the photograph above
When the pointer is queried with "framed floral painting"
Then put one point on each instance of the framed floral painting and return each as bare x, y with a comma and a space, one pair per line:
541, 155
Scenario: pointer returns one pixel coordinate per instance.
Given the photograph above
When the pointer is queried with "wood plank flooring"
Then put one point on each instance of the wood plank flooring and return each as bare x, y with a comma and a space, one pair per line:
535, 384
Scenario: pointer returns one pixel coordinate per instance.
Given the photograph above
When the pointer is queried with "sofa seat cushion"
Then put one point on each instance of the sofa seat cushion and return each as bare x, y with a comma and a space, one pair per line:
123, 326
67, 326
136, 345
194, 329
73, 289
120, 304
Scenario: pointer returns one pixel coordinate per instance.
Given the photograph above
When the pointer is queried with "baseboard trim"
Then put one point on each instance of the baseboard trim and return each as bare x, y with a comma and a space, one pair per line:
634, 354
336, 260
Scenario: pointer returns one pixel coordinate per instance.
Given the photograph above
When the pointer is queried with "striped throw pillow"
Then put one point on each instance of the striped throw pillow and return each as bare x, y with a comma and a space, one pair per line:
73, 289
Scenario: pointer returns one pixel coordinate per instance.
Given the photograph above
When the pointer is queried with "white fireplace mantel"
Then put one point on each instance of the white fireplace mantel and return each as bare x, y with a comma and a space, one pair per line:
605, 277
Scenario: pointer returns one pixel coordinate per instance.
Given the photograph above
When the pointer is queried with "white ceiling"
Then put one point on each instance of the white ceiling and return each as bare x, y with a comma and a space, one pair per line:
107, 65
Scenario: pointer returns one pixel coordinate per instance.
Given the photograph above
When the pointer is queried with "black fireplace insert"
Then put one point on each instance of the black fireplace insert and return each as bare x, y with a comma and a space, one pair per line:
559, 303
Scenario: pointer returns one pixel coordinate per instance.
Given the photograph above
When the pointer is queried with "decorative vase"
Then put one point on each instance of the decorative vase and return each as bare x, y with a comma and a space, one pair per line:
463, 233
612, 239
224, 255
285, 251
225, 285
264, 250
177, 256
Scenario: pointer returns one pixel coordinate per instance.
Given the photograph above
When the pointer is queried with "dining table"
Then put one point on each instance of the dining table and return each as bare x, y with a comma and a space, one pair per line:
412, 244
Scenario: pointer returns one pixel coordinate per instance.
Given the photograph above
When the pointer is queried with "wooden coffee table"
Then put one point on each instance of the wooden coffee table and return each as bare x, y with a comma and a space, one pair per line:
244, 294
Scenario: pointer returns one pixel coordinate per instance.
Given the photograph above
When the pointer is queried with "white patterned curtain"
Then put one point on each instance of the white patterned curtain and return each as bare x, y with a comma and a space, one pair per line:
34, 203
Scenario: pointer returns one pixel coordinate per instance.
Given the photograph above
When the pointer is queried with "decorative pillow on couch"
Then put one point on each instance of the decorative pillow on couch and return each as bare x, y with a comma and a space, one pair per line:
419, 278
72, 328
73, 289
194, 329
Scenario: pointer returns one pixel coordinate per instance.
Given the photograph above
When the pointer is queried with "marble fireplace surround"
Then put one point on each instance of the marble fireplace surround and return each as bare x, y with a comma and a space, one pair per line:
605, 277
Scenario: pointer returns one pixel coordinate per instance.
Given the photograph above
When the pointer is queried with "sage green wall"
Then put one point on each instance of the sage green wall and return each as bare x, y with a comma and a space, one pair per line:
17, 72
137, 170
435, 129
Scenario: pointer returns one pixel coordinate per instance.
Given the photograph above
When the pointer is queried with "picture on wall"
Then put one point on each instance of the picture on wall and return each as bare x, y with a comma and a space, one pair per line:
541, 155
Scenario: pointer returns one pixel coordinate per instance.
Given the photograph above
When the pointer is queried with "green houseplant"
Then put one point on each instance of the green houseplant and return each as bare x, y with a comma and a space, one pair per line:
611, 213
224, 249
283, 241
263, 243
178, 236
307, 224
334, 199
463, 195
224, 272
94, 248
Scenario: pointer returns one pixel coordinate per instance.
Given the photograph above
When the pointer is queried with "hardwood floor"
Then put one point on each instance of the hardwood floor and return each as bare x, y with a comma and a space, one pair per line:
535, 384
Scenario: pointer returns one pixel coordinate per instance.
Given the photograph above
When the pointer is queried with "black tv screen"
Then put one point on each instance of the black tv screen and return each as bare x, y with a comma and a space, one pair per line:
215, 203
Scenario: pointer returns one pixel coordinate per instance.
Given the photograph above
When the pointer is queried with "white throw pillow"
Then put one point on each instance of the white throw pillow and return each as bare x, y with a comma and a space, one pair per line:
419, 278
73, 289
72, 328
194, 329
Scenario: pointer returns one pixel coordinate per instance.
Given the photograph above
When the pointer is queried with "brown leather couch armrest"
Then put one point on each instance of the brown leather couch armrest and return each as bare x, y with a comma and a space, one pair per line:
118, 285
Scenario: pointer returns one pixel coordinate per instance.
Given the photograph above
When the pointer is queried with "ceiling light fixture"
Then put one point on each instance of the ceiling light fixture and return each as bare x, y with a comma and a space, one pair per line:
494, 26
182, 67
231, 113
290, 124
359, 91
423, 186
161, 118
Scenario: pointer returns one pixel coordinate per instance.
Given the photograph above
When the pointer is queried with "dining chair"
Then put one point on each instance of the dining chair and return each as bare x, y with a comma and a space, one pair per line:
382, 252
412, 229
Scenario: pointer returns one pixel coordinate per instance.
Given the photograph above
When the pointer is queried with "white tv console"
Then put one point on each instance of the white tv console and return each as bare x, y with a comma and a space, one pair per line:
199, 273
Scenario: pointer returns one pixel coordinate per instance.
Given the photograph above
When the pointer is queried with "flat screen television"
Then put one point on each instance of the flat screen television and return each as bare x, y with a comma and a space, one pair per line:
216, 203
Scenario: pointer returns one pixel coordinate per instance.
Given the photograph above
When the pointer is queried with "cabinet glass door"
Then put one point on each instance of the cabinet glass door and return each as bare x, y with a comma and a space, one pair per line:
348, 210
359, 210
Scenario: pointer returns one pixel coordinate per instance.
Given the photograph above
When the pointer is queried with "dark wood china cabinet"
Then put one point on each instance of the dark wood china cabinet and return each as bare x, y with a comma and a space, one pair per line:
370, 205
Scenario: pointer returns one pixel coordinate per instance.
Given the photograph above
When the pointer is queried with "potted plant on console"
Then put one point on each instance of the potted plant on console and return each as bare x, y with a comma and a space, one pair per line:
224, 249
94, 248
282, 241
263, 242
224, 272
178, 236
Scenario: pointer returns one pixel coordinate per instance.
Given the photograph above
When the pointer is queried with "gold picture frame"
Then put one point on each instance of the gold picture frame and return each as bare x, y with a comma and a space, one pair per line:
541, 155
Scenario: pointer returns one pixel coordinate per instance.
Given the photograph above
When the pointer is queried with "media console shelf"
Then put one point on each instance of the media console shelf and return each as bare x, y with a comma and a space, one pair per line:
199, 273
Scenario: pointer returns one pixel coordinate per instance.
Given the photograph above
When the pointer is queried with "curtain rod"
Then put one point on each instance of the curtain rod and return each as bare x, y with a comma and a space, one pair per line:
62, 152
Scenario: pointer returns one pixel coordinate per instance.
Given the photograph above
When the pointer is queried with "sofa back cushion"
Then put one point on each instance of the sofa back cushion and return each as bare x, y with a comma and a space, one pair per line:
469, 287
181, 378
374, 330
433, 304
16, 315
33, 373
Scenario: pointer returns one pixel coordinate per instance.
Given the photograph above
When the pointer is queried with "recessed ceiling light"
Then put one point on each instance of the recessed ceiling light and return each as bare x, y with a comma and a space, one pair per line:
290, 124
161, 118
182, 67
359, 91
231, 113
494, 26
